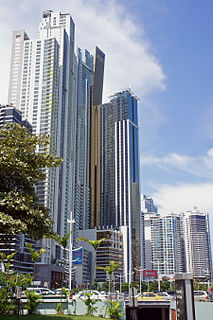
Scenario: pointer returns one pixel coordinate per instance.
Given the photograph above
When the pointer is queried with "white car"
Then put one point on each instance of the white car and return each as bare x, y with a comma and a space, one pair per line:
60, 291
42, 291
94, 295
164, 295
200, 296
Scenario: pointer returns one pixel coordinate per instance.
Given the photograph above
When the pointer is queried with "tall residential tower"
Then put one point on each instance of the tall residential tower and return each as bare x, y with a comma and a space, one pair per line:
42, 85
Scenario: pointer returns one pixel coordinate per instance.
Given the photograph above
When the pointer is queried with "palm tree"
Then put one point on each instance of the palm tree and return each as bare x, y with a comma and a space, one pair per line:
109, 270
95, 244
63, 242
34, 256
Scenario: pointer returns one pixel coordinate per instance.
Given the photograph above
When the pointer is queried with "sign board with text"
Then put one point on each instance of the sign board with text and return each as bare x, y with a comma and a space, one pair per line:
77, 256
150, 273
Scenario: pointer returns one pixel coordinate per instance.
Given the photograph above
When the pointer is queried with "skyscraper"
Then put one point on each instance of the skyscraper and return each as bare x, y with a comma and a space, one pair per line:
164, 243
147, 204
197, 244
114, 173
42, 84
173, 244
90, 71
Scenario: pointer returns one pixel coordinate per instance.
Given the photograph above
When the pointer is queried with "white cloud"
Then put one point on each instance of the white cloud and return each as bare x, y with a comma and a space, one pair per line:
104, 23
201, 166
183, 197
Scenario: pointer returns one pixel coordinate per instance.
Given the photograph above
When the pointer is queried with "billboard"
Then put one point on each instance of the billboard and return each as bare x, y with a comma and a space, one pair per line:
77, 256
150, 273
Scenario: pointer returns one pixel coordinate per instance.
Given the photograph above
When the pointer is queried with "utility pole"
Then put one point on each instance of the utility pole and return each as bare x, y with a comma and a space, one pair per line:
71, 221
141, 278
158, 264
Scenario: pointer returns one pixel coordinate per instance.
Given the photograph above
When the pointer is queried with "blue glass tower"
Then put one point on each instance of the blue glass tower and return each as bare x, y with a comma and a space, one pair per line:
120, 172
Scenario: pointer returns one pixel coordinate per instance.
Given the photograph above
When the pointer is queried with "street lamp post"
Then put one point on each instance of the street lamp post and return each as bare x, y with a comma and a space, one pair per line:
71, 221
158, 263
130, 277
119, 276
141, 278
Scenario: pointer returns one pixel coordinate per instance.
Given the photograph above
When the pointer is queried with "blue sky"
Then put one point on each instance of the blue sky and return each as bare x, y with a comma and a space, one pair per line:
163, 49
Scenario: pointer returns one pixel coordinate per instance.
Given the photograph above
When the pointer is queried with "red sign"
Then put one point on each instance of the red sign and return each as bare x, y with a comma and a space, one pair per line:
150, 273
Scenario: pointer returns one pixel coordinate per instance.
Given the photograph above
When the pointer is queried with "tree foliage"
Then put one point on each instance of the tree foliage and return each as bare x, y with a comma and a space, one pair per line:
114, 310
89, 302
22, 167
11, 280
113, 266
94, 243
63, 242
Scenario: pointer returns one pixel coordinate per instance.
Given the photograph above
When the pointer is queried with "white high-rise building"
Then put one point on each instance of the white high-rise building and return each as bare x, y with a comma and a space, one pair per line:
173, 243
178, 243
153, 241
147, 204
42, 86
197, 244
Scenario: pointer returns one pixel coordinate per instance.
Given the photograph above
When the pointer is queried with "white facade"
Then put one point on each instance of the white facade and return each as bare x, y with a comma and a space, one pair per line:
45, 95
178, 243
173, 249
197, 244
153, 241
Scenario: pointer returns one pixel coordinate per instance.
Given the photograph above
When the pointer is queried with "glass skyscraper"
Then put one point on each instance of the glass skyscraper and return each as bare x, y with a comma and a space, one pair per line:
114, 169
90, 72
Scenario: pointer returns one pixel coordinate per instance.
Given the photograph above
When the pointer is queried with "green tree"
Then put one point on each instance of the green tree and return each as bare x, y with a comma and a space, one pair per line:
22, 167
125, 287
89, 302
105, 286
114, 310
33, 300
165, 285
95, 244
63, 242
6, 261
109, 270
35, 255
153, 286
12, 280
2, 279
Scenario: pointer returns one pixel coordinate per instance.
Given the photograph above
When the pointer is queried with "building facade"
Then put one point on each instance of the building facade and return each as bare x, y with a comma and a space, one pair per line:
178, 243
116, 173
90, 71
197, 244
147, 204
42, 83
173, 244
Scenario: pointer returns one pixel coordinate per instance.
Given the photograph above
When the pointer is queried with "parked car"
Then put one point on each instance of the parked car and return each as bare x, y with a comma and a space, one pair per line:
47, 292
200, 296
42, 291
149, 296
60, 291
172, 293
165, 295
94, 295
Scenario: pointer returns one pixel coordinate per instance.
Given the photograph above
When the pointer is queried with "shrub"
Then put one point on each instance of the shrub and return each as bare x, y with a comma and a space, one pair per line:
90, 304
33, 300
114, 310
59, 308
6, 301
